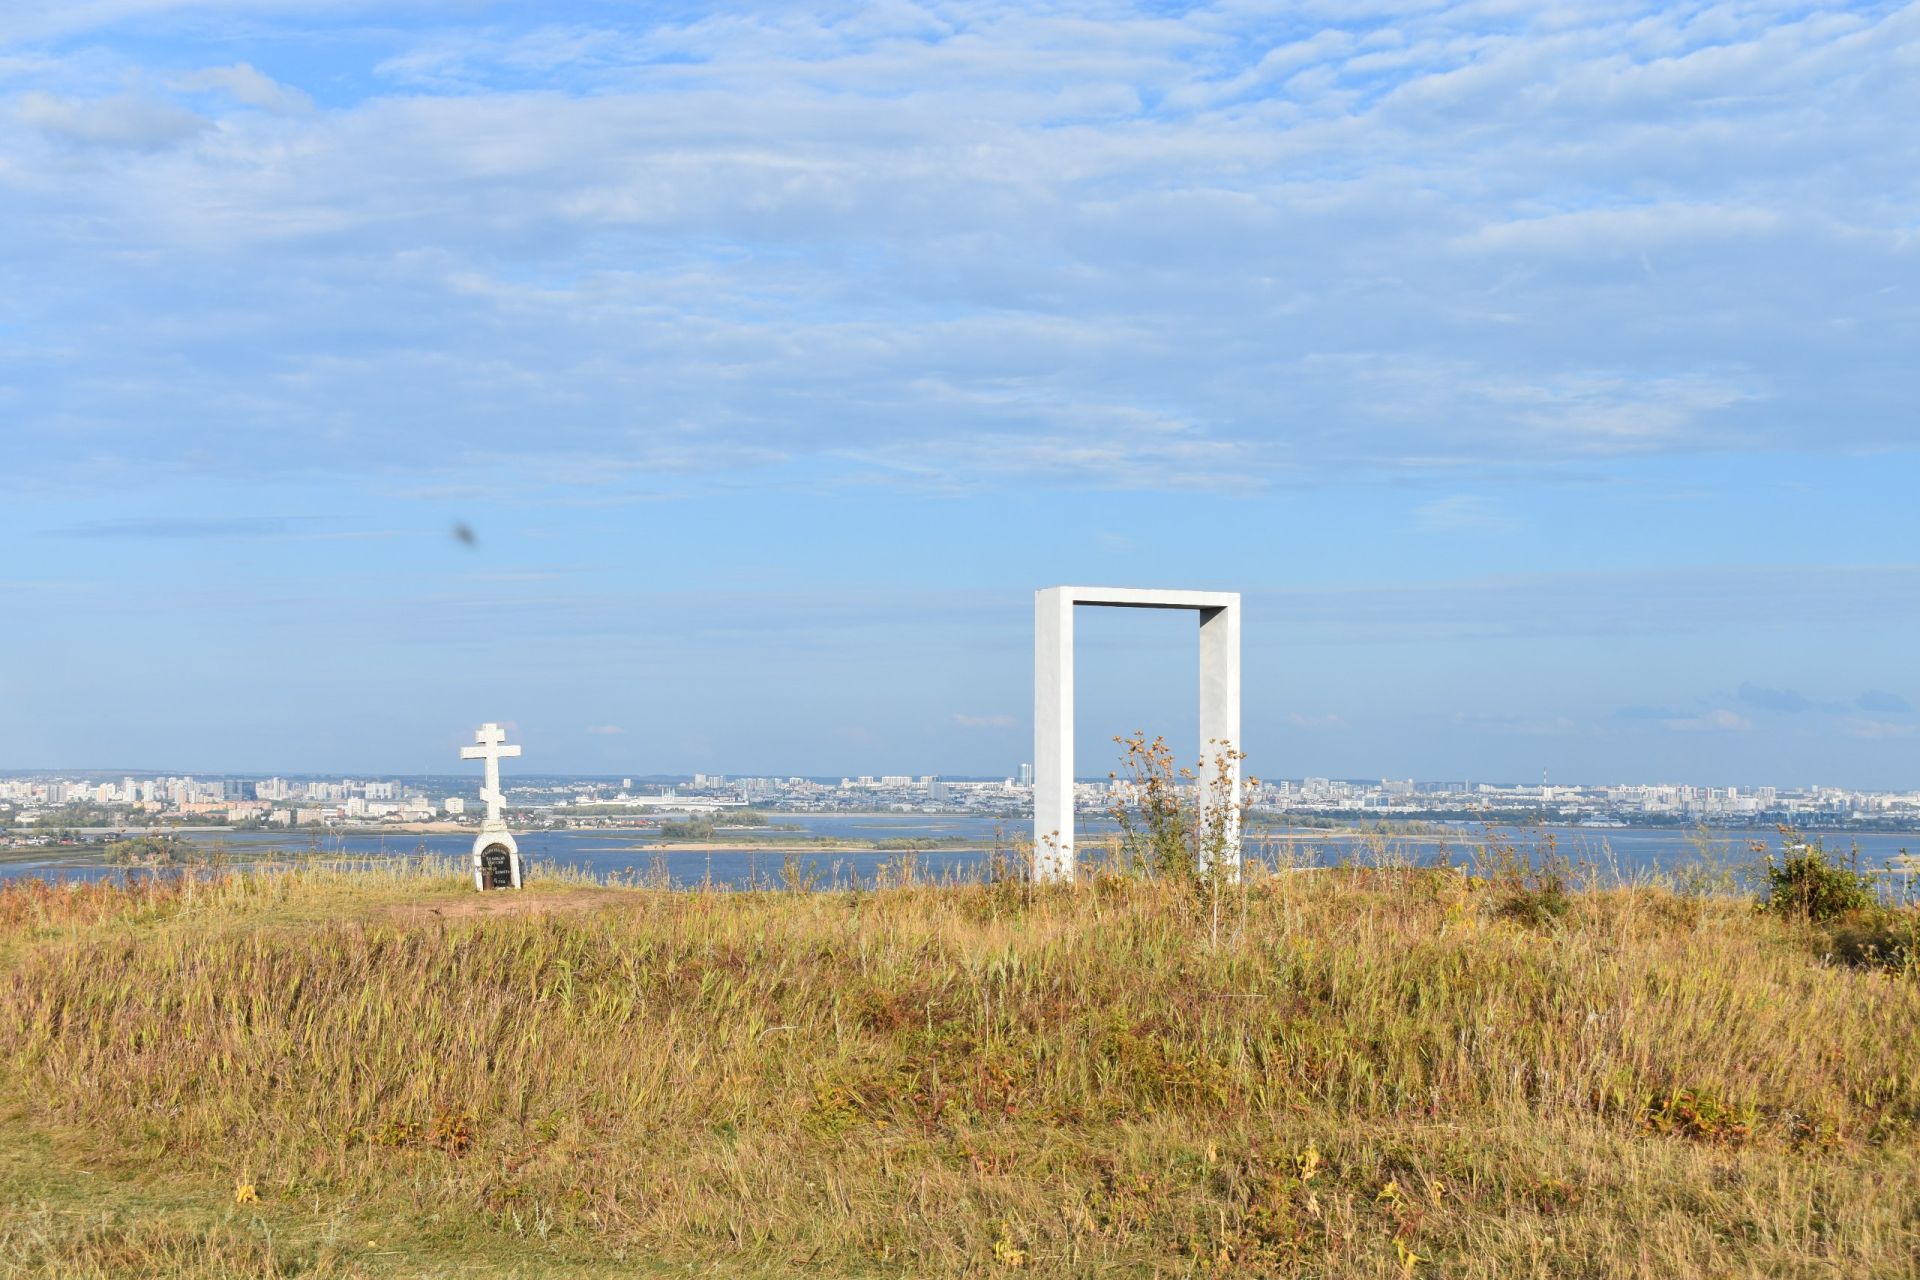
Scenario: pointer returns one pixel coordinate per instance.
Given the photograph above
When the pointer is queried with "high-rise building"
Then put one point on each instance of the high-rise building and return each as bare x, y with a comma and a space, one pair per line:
1026, 775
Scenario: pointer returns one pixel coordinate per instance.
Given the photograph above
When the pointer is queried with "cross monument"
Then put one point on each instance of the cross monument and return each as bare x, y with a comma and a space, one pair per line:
496, 858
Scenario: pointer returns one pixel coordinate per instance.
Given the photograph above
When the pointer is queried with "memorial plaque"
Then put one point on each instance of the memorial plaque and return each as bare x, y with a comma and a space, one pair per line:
496, 866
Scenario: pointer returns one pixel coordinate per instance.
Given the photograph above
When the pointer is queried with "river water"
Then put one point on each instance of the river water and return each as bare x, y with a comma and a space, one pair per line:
1607, 854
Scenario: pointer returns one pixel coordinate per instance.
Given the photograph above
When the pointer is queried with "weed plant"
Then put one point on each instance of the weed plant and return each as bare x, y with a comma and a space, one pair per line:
1809, 883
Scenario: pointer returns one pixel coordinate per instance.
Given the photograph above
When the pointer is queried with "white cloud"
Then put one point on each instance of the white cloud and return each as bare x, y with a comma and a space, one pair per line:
1524, 726
1587, 231
605, 729
983, 722
42, 19
248, 86
1462, 513
127, 121
1717, 721
1604, 604
1876, 729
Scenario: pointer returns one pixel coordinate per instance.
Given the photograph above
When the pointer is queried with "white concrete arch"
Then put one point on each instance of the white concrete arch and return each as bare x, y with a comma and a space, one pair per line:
1053, 836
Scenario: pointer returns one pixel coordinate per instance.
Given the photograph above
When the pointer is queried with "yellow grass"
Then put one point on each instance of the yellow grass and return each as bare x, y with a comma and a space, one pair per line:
1367, 1073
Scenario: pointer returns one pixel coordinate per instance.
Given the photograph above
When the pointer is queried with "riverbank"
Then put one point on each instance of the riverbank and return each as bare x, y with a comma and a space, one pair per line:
382, 1073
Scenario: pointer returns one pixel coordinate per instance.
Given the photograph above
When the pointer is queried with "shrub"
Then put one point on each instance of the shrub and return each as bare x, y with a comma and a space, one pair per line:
158, 850
1175, 823
1536, 904
1700, 1114
1157, 827
1533, 886
1885, 940
1809, 884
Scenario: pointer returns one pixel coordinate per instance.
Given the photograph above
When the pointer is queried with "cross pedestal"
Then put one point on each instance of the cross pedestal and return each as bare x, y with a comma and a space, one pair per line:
496, 858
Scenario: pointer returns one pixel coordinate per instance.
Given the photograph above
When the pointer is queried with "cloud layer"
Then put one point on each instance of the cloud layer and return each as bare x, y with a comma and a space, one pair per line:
943, 245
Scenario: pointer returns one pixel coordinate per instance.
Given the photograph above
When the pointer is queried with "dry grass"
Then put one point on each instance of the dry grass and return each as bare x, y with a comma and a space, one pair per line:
1369, 1073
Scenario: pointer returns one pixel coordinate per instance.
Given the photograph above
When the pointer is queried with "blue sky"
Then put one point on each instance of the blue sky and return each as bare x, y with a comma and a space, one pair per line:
1544, 375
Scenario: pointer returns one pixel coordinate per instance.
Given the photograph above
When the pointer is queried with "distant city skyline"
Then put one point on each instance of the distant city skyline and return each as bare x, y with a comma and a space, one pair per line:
36, 809
1019, 777
710, 390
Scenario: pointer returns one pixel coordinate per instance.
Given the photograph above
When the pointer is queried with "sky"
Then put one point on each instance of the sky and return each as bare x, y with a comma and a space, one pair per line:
1544, 376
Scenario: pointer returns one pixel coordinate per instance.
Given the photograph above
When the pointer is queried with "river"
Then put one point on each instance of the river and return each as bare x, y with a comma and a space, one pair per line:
1607, 854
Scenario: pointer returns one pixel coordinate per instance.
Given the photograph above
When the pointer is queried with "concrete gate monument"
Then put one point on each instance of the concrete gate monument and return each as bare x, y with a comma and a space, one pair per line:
1219, 611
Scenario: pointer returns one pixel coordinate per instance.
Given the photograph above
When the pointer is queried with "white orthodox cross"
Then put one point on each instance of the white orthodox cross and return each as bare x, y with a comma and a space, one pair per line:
489, 739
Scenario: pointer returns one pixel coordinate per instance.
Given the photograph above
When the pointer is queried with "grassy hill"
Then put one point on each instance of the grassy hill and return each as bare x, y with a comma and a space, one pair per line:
1349, 1073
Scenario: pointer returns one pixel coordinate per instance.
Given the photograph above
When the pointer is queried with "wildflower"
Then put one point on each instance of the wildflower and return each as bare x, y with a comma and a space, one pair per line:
1309, 1163
1006, 1252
